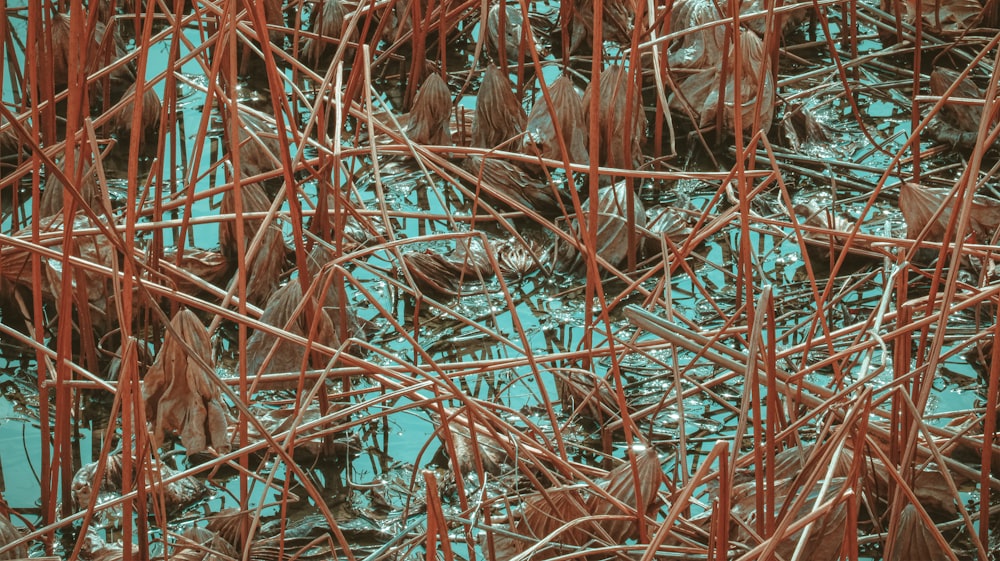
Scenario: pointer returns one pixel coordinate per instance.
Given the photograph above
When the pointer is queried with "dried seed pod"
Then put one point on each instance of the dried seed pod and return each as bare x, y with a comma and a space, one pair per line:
428, 121
621, 118
499, 116
517, 34
180, 391
568, 112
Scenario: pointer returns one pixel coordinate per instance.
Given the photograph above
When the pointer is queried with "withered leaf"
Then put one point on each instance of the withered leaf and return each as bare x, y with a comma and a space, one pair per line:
617, 20
175, 494
699, 92
514, 27
428, 120
149, 121
613, 227
500, 179
287, 309
499, 115
622, 120
8, 535
963, 116
635, 488
328, 24
569, 113
700, 48
914, 540
919, 203
826, 533
180, 391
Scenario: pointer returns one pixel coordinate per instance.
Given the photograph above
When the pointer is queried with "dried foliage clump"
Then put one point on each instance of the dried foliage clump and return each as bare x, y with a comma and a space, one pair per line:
181, 390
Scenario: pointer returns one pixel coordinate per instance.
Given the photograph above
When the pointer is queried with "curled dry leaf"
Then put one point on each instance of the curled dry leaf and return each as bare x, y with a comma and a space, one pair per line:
919, 204
617, 22
12, 150
175, 494
8, 535
569, 113
259, 148
700, 48
800, 128
564, 516
203, 544
500, 180
288, 310
612, 227
180, 391
517, 259
428, 121
950, 16
587, 394
433, 273
328, 26
209, 266
98, 50
499, 115
837, 228
268, 263
826, 534
665, 221
310, 445
93, 248
958, 122
516, 33
54, 195
469, 446
698, 94
621, 118
914, 540
149, 121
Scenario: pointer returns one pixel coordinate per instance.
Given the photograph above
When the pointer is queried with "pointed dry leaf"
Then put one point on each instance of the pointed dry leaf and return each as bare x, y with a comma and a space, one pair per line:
175, 494
919, 203
617, 22
950, 16
499, 116
587, 394
328, 24
433, 273
149, 122
800, 128
288, 310
54, 195
622, 120
207, 546
259, 147
209, 266
468, 447
428, 121
180, 391
699, 92
612, 227
826, 534
914, 540
8, 535
569, 112
499, 179
93, 248
309, 445
542, 516
958, 122
635, 488
699, 49
514, 27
